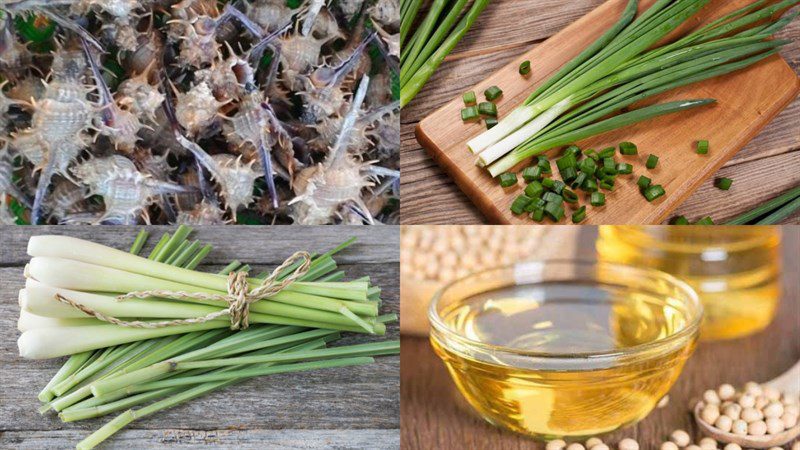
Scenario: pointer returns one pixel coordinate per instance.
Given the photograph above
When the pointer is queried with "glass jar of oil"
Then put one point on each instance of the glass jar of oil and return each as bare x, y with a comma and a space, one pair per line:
734, 269
564, 348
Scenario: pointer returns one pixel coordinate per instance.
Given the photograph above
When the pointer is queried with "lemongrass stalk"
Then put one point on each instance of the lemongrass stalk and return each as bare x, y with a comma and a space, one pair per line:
123, 399
73, 363
99, 256
129, 416
424, 30
336, 276
173, 243
159, 245
181, 248
75, 275
196, 259
616, 122
499, 149
29, 321
235, 344
174, 347
230, 267
138, 243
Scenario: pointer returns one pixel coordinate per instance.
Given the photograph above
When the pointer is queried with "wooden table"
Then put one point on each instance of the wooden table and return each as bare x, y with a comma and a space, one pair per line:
762, 170
435, 416
343, 408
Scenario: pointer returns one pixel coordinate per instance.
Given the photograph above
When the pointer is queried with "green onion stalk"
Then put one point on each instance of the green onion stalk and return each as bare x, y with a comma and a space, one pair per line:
434, 39
145, 376
618, 70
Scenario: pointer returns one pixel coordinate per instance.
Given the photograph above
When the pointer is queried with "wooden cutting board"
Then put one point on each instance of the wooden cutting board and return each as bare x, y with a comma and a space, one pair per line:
746, 102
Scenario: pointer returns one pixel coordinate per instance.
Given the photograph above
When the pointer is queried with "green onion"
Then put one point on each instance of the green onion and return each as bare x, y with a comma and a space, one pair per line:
558, 186
538, 214
723, 183
574, 150
534, 190
508, 179
490, 122
552, 197
493, 93
705, 221
554, 210
624, 168
525, 68
680, 220
653, 192
537, 203
607, 153
652, 162
487, 109
607, 184
588, 166
519, 204
782, 213
643, 182
628, 148
702, 147
579, 215
766, 208
579, 180
597, 199
592, 154
470, 99
470, 114
609, 166
544, 163
590, 185
530, 174
569, 196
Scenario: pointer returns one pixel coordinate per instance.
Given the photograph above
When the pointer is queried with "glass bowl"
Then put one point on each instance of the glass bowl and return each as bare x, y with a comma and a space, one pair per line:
581, 347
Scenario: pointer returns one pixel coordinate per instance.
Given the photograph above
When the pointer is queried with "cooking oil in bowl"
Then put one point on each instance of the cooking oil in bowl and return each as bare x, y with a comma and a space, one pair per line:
735, 269
564, 357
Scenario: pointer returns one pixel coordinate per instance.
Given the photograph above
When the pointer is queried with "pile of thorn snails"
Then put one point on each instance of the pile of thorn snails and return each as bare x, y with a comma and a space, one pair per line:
199, 111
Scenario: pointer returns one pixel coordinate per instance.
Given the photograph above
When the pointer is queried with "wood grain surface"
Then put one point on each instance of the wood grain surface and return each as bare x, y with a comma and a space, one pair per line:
505, 31
434, 415
354, 407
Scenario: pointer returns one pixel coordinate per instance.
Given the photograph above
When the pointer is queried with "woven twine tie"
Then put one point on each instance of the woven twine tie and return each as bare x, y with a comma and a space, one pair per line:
239, 297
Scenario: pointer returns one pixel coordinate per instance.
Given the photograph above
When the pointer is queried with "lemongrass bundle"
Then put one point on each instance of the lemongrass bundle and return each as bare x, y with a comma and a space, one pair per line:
118, 367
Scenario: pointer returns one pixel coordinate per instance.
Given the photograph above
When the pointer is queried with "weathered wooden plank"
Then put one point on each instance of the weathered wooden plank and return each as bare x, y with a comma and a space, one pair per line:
223, 438
430, 196
253, 245
357, 407
434, 415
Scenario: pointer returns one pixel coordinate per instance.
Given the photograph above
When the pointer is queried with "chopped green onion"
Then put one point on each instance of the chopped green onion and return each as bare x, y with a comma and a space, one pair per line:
705, 221
533, 173
538, 214
554, 210
534, 190
493, 93
765, 208
470, 99
680, 220
525, 68
487, 109
552, 197
723, 183
569, 174
549, 183
702, 147
579, 180
519, 204
490, 122
558, 186
597, 199
628, 148
569, 196
589, 185
607, 152
592, 154
469, 114
643, 182
508, 179
624, 168
579, 215
544, 163
653, 192
588, 166
537, 203
574, 150
652, 162
609, 166
607, 184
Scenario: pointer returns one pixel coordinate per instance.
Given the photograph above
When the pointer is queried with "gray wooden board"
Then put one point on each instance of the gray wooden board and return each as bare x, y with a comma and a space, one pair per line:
355, 407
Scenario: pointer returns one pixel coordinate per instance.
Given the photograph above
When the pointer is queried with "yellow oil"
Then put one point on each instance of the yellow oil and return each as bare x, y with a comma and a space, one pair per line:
735, 270
563, 395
